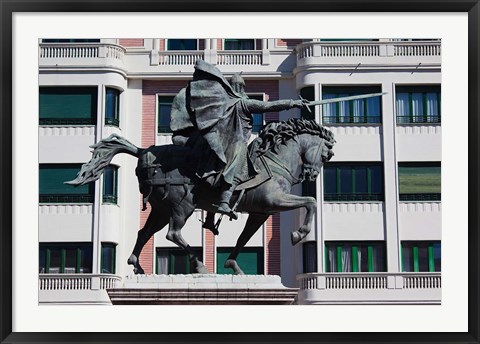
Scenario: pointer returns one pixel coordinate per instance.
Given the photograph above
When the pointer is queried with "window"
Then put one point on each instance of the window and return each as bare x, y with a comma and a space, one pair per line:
71, 40
355, 257
239, 44
422, 256
164, 109
366, 110
257, 118
310, 256
110, 183
182, 44
418, 104
107, 260
175, 261
53, 189
419, 181
309, 188
353, 182
309, 94
112, 107
65, 258
68, 105
250, 260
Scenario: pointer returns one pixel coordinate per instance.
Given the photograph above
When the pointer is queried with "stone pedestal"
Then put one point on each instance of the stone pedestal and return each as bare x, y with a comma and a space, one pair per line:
199, 289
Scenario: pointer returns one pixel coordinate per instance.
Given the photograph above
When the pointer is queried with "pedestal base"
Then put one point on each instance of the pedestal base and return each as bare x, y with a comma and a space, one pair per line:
198, 289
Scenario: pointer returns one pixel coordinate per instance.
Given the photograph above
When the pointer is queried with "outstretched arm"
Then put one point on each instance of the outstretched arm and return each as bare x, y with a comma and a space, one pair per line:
258, 106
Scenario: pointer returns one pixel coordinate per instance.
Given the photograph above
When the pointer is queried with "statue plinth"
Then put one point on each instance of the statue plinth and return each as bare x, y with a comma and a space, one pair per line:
202, 289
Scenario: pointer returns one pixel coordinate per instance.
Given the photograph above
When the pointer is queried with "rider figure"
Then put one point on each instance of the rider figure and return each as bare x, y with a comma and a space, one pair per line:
222, 113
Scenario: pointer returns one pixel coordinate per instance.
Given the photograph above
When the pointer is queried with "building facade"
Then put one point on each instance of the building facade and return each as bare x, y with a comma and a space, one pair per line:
377, 235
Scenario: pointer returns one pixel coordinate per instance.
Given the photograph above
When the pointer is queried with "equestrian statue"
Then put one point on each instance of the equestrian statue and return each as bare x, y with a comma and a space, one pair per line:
211, 166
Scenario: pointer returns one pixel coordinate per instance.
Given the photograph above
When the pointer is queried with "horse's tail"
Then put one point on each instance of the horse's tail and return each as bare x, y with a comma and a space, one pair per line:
103, 153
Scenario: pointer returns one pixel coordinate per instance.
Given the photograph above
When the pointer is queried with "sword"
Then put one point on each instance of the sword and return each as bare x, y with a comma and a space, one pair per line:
337, 100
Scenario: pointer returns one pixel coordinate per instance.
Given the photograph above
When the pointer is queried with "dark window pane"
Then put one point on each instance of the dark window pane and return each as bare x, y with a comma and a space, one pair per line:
361, 184
70, 260
112, 106
437, 257
108, 258
346, 186
86, 256
376, 180
182, 44
55, 260
257, 122
42, 259
423, 262
378, 258
239, 44
330, 180
310, 256
309, 188
419, 181
164, 109
363, 258
110, 184
407, 257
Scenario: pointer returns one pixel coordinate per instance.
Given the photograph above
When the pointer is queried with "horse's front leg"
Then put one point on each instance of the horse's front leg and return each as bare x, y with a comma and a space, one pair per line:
284, 202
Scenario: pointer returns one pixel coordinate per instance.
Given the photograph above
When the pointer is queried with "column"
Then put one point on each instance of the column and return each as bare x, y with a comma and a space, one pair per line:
390, 174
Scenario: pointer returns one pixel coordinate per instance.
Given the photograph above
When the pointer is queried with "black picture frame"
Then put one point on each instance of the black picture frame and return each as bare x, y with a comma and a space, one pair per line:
9, 7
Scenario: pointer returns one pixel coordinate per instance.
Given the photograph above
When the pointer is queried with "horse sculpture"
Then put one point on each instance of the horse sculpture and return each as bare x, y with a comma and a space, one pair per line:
286, 153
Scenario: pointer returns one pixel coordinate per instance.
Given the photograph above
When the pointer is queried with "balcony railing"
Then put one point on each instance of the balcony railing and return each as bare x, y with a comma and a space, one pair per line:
357, 197
66, 198
180, 58
368, 49
422, 119
81, 51
352, 119
370, 288
78, 281
420, 197
239, 57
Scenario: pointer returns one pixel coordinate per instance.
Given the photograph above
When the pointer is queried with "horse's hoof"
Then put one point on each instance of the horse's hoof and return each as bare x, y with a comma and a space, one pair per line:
296, 238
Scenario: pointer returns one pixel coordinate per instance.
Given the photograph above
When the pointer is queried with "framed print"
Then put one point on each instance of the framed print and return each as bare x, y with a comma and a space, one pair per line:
383, 247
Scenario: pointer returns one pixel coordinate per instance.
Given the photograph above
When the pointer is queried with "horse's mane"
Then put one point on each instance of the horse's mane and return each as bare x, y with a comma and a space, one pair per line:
277, 133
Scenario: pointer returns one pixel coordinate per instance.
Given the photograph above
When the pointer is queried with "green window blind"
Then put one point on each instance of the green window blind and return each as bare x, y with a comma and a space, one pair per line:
175, 261
355, 257
164, 109
68, 105
353, 182
421, 256
250, 260
419, 181
65, 257
366, 110
53, 190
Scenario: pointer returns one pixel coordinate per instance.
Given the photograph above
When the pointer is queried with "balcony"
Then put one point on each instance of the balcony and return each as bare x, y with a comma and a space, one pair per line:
418, 54
76, 288
81, 54
369, 288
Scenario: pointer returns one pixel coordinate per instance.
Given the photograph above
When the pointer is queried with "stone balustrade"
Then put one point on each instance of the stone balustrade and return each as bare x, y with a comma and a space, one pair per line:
239, 57
180, 58
369, 288
77, 281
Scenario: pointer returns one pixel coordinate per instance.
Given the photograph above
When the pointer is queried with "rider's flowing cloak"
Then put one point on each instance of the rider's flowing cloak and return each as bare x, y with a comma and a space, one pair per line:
219, 114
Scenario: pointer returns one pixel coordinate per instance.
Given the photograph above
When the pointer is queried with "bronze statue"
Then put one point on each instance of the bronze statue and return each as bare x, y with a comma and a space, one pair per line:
209, 164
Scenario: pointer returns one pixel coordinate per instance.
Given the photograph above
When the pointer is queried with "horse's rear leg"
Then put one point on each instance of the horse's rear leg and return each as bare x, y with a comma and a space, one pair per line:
254, 222
155, 222
177, 221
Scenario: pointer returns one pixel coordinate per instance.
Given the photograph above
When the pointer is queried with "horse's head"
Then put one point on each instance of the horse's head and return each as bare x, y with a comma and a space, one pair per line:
318, 151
